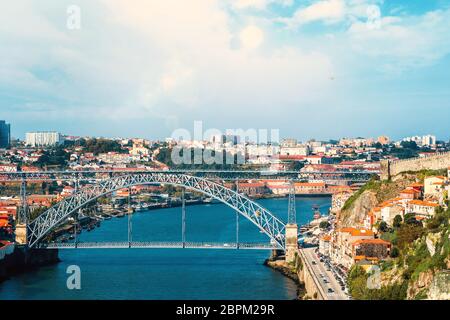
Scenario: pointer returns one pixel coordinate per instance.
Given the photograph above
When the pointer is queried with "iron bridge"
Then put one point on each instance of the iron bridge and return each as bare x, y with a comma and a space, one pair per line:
265, 221
158, 245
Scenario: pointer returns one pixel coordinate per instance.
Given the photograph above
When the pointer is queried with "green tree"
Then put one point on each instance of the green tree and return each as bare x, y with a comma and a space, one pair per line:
324, 225
383, 227
395, 252
397, 221
407, 233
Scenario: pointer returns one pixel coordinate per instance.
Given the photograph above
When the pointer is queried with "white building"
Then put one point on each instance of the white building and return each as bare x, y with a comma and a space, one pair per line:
299, 150
428, 140
434, 186
424, 141
43, 139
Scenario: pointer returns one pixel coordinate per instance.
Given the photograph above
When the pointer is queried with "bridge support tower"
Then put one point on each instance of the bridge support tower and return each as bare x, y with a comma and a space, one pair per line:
21, 226
291, 242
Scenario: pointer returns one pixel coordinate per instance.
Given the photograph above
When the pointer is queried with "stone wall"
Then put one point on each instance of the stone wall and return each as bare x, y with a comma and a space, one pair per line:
313, 289
433, 162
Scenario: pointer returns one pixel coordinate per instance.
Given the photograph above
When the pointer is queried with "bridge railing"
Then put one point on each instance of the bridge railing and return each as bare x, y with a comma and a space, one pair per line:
156, 245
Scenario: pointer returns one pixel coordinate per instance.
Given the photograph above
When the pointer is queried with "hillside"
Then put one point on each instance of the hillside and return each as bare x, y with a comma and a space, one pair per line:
376, 192
419, 265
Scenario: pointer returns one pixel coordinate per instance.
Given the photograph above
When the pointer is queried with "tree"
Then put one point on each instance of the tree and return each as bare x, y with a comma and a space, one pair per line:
53, 157
408, 233
383, 227
410, 218
395, 252
97, 146
324, 225
409, 145
397, 221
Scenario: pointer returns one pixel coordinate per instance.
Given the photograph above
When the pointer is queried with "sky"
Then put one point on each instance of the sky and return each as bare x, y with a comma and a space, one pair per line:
145, 68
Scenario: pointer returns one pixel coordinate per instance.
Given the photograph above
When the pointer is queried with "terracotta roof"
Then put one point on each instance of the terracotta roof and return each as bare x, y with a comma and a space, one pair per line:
423, 203
357, 232
410, 191
371, 241
309, 184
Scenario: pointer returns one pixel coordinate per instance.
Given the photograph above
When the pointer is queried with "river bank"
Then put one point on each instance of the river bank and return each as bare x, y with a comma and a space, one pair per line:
23, 260
288, 271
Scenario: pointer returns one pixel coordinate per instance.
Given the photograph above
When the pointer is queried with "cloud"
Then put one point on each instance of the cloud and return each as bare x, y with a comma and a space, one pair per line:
403, 42
165, 63
329, 12
259, 4
151, 61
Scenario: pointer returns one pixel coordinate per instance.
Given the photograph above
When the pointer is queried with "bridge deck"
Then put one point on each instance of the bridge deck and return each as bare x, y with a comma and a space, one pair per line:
158, 245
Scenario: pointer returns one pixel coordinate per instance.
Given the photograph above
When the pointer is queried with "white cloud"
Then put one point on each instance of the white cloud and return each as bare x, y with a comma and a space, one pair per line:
329, 12
403, 42
155, 59
251, 37
258, 4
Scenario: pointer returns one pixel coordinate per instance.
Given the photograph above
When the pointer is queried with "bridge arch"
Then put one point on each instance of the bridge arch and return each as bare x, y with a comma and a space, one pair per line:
273, 227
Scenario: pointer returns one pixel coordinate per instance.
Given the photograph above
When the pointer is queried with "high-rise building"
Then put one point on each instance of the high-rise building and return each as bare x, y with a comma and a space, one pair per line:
5, 134
43, 139
428, 140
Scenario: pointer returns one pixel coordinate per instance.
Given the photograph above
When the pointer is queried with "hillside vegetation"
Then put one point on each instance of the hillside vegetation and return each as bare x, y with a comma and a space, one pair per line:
420, 257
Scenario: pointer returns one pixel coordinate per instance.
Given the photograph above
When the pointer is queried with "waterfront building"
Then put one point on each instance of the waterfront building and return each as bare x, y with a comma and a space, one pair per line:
8, 168
324, 245
43, 139
5, 134
341, 249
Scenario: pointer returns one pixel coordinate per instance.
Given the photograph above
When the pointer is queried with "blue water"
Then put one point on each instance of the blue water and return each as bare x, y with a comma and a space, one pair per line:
168, 273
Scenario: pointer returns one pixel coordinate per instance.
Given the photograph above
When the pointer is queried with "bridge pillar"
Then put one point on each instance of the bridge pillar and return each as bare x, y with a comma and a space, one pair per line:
21, 234
291, 242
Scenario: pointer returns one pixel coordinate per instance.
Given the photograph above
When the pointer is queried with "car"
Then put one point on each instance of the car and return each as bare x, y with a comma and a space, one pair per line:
330, 290
321, 260
313, 262
343, 288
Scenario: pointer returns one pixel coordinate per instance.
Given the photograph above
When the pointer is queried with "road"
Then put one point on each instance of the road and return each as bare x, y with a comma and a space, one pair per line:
320, 268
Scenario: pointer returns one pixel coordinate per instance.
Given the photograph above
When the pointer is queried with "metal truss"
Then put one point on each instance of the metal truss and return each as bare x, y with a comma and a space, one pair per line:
157, 245
259, 216
96, 175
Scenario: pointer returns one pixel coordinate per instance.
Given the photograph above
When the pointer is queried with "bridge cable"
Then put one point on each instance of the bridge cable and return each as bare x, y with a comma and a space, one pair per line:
183, 217
130, 227
237, 217
76, 215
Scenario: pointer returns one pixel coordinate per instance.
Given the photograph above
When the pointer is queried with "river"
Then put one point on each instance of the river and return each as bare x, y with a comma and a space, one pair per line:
169, 273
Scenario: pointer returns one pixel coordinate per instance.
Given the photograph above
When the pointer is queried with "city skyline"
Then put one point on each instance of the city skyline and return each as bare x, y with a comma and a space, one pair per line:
314, 69
413, 137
